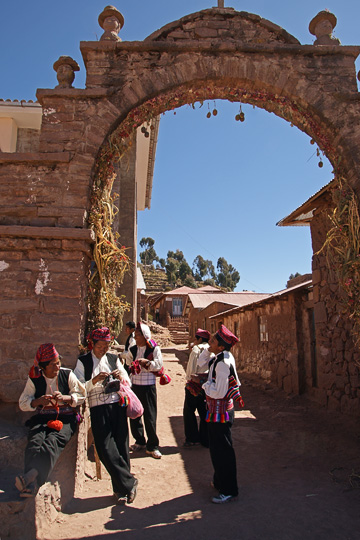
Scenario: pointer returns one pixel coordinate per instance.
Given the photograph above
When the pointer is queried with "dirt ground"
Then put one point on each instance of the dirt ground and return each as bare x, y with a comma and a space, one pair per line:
298, 472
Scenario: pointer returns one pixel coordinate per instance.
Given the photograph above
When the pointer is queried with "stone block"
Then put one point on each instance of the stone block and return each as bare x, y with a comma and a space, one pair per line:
333, 404
206, 32
287, 384
350, 405
320, 313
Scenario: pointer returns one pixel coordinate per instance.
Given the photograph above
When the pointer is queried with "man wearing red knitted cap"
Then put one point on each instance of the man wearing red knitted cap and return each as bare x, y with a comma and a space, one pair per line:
107, 412
220, 412
52, 393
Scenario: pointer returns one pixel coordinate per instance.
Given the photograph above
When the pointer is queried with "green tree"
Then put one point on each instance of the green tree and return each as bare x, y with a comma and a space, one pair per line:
292, 276
184, 271
177, 255
227, 276
172, 269
148, 256
203, 269
189, 281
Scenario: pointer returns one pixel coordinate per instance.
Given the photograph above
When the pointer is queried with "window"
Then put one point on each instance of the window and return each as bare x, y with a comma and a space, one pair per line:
176, 307
236, 330
212, 329
263, 328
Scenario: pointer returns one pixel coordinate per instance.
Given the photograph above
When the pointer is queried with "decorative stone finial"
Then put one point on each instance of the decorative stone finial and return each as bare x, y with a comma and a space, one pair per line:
111, 20
65, 67
322, 26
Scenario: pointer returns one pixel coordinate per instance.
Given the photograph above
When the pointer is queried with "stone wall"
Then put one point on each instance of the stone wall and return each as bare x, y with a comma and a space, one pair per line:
44, 278
283, 356
339, 373
27, 140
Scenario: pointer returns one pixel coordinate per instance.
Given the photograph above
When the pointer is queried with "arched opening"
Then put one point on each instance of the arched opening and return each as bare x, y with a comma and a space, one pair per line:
290, 108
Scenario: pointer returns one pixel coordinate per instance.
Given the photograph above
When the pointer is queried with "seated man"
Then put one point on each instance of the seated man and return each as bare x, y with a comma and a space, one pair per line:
53, 392
108, 414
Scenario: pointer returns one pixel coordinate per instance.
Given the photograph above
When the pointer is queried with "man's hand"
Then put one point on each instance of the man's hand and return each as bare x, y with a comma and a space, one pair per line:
99, 377
59, 397
144, 363
43, 401
117, 374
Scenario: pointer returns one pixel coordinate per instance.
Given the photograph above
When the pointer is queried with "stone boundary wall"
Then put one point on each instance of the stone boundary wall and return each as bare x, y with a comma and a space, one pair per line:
44, 278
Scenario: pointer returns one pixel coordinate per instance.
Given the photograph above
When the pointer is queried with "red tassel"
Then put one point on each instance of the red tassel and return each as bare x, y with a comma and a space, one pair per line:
55, 424
165, 379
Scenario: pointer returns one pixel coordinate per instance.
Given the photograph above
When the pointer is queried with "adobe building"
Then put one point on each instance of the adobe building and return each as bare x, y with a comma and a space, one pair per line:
47, 204
276, 338
200, 307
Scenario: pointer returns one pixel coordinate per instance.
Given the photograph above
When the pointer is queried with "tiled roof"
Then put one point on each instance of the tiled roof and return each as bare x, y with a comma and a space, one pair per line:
267, 298
304, 213
18, 103
201, 301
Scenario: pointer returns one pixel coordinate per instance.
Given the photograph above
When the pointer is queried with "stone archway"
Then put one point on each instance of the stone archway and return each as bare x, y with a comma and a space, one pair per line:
217, 53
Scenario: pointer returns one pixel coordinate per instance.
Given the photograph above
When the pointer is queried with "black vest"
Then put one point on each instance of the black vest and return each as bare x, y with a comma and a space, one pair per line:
88, 363
127, 342
134, 349
63, 383
219, 358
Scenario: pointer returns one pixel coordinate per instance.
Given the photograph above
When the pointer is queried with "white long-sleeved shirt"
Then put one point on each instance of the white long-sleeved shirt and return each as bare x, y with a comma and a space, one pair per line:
217, 389
76, 391
192, 365
145, 377
95, 392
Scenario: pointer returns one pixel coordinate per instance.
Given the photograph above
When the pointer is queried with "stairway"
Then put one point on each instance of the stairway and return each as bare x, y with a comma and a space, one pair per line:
179, 330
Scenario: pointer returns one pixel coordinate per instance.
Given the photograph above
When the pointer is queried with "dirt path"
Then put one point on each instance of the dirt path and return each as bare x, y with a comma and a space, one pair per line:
296, 465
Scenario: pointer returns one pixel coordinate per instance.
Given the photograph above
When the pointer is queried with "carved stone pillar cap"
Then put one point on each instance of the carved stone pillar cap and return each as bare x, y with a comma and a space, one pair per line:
322, 16
111, 11
66, 60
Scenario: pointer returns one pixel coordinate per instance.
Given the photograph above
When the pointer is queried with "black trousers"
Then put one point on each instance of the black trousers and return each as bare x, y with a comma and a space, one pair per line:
111, 436
193, 433
223, 456
45, 445
147, 396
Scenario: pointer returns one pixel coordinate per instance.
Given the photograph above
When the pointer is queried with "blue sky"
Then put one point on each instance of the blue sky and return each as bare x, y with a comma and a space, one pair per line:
219, 186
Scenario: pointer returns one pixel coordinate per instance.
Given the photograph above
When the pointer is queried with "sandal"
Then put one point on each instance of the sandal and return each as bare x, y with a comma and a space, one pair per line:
20, 483
29, 491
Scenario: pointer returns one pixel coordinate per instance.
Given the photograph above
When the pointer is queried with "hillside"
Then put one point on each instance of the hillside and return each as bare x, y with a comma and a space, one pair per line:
155, 280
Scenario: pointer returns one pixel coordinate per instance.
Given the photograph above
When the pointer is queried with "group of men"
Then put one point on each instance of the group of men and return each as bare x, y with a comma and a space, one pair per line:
208, 371
210, 367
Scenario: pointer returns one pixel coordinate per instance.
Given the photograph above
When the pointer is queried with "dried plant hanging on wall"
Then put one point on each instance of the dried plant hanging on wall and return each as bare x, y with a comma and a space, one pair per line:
342, 251
105, 306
